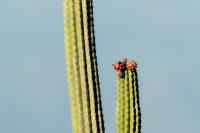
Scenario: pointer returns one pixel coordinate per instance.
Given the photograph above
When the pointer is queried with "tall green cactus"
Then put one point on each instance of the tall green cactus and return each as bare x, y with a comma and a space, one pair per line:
82, 69
128, 116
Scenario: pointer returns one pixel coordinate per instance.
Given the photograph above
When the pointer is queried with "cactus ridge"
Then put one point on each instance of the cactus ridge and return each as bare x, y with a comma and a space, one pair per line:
69, 49
91, 68
132, 104
92, 38
127, 103
122, 108
77, 68
83, 79
138, 112
118, 105
89, 65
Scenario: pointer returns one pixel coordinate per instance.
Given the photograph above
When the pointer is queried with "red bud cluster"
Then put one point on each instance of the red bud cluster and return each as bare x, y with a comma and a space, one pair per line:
121, 66
131, 65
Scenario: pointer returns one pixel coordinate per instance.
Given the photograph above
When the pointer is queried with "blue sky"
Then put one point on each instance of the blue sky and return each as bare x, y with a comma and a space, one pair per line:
162, 35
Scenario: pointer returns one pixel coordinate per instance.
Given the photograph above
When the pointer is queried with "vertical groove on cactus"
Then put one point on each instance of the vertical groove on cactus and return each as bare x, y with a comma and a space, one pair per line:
132, 104
92, 38
137, 105
82, 69
86, 97
77, 68
93, 100
69, 39
83, 66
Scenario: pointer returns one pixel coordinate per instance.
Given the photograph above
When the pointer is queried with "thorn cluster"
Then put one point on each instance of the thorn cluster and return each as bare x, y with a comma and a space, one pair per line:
123, 65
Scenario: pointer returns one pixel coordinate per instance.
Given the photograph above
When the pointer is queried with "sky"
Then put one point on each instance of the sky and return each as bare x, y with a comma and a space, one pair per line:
163, 36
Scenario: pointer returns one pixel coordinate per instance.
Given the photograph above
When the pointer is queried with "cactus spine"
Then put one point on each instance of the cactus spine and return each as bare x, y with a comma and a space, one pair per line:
128, 116
83, 80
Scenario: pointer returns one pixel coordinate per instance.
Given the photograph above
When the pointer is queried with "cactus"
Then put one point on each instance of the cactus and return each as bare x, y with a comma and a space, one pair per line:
128, 116
81, 60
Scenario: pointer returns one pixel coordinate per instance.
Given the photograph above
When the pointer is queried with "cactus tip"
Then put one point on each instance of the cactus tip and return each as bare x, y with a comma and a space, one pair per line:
123, 65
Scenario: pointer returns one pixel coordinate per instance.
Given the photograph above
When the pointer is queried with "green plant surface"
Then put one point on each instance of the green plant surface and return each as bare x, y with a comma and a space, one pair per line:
132, 104
120, 106
128, 115
127, 103
83, 80
137, 104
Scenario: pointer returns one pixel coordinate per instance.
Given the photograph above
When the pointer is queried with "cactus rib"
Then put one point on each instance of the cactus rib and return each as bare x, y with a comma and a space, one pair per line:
82, 70
137, 106
69, 50
92, 38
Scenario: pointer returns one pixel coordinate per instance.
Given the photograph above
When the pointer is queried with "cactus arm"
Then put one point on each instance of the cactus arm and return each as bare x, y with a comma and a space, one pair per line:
123, 104
137, 106
128, 116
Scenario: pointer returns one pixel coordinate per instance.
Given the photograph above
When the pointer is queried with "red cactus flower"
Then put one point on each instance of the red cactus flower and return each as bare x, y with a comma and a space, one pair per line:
118, 66
131, 65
